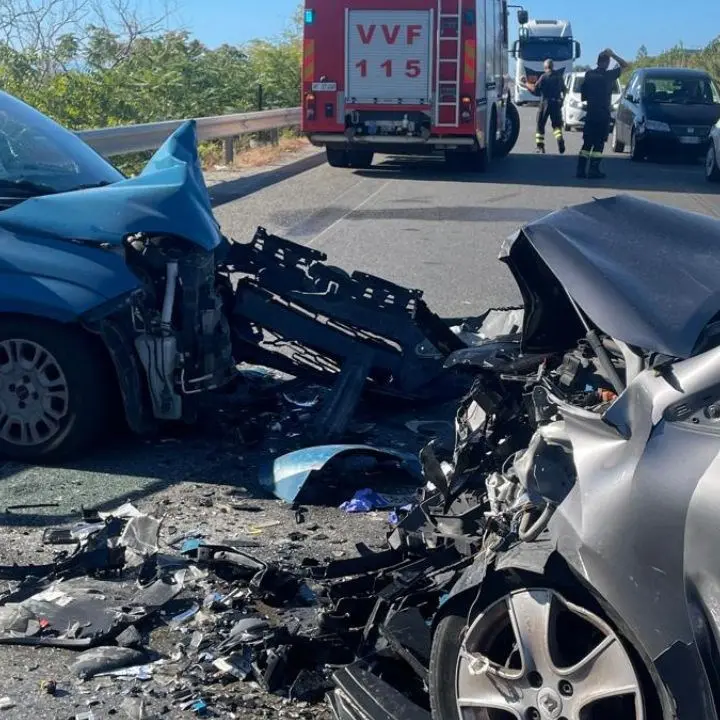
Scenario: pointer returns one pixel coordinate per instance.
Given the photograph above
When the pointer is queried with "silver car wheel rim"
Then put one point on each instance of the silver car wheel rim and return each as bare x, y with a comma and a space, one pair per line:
529, 682
34, 393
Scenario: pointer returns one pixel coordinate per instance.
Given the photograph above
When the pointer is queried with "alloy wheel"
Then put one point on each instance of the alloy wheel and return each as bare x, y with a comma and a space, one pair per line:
532, 655
34, 393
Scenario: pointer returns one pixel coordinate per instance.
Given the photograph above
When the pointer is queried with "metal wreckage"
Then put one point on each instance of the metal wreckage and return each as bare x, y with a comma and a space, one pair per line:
558, 560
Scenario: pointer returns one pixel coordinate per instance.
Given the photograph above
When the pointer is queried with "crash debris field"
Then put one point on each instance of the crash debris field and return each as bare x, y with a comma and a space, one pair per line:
390, 519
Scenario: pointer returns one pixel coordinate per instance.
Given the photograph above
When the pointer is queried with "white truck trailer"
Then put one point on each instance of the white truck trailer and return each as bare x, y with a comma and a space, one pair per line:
538, 41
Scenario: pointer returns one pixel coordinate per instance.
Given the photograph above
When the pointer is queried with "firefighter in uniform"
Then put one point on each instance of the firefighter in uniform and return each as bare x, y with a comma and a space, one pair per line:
551, 90
596, 92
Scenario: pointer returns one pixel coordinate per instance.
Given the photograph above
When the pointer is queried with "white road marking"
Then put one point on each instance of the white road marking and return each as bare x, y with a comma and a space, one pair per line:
349, 213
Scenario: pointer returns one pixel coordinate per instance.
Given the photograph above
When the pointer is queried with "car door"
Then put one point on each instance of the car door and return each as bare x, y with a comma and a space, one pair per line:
626, 108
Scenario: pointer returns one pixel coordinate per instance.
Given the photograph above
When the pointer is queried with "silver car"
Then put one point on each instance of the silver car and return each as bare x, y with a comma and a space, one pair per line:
712, 159
596, 589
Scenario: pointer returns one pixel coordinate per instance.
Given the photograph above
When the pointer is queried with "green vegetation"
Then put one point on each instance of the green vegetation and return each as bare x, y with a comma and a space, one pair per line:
707, 58
99, 63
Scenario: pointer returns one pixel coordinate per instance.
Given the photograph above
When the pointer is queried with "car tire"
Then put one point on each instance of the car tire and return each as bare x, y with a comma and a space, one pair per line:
617, 146
491, 628
56, 383
337, 158
636, 151
712, 168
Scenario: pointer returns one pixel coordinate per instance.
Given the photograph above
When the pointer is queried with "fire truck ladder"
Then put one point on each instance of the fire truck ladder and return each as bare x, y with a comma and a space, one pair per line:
445, 57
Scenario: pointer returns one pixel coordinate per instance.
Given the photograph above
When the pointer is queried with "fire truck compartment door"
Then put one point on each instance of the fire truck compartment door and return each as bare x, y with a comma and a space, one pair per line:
389, 57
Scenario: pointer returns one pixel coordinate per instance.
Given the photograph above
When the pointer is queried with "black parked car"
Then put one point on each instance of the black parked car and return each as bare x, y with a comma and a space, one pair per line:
664, 110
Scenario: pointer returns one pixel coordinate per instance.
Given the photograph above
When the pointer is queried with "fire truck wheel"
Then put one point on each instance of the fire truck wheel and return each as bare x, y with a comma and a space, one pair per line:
482, 157
337, 158
360, 158
509, 136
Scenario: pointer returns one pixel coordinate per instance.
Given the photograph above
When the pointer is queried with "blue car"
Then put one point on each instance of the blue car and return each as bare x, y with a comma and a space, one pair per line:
109, 291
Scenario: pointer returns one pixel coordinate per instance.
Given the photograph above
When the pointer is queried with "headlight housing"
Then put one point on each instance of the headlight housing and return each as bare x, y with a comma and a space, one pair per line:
577, 104
657, 126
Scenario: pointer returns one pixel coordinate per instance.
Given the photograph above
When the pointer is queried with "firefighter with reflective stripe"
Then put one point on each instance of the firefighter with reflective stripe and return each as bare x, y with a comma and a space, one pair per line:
596, 92
551, 90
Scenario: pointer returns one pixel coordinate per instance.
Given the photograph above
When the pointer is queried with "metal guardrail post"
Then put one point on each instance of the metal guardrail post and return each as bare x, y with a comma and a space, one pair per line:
228, 150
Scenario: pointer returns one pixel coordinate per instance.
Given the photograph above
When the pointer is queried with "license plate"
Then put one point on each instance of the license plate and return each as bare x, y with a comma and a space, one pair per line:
690, 140
324, 87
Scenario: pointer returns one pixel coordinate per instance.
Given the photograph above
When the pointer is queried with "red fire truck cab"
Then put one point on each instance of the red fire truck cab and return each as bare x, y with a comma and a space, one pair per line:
412, 77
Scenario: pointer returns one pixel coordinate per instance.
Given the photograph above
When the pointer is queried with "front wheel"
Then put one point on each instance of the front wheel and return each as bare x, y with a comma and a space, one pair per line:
54, 390
636, 151
617, 146
712, 169
532, 654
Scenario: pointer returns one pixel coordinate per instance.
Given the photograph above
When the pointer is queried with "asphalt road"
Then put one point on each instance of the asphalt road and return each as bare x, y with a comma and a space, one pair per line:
411, 221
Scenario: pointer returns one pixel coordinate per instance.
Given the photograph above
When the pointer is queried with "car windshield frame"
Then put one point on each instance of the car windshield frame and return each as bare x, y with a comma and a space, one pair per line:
673, 96
40, 157
545, 48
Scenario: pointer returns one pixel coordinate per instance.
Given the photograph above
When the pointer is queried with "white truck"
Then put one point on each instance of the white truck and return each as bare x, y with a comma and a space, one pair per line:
540, 40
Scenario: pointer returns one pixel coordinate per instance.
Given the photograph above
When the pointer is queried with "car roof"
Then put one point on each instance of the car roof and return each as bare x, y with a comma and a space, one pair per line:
676, 71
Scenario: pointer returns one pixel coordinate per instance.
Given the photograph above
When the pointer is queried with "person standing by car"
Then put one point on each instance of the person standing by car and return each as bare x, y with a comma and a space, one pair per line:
596, 92
551, 89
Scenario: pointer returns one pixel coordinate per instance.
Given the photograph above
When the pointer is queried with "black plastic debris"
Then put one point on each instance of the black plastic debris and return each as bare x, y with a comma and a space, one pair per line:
361, 695
129, 638
105, 659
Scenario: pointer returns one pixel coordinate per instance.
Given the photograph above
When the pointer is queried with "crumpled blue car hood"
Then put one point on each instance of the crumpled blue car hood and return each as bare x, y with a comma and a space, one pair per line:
169, 196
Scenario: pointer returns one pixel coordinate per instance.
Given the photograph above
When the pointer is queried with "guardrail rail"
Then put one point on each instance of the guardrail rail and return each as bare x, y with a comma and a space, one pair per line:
150, 136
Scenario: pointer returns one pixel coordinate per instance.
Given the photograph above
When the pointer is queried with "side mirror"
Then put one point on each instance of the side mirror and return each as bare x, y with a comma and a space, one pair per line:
522, 17
578, 50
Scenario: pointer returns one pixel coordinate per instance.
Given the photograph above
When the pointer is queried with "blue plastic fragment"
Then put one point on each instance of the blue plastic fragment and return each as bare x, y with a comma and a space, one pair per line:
365, 501
200, 707
286, 477
394, 517
190, 544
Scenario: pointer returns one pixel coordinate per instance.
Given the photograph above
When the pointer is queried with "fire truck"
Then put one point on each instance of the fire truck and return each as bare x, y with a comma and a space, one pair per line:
408, 77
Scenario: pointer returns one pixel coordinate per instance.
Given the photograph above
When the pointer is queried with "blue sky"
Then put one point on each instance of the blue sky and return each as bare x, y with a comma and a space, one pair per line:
623, 25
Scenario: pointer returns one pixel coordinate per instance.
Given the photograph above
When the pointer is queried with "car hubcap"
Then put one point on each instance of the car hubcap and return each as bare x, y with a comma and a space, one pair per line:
33, 393
534, 656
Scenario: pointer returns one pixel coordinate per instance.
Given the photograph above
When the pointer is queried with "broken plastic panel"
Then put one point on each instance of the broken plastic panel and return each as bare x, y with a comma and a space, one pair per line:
315, 474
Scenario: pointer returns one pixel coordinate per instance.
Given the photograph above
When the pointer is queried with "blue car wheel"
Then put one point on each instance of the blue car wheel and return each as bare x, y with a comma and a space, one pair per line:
55, 389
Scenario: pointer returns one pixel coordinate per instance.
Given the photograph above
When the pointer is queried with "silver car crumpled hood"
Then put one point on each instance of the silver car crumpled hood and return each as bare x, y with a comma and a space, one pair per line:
644, 273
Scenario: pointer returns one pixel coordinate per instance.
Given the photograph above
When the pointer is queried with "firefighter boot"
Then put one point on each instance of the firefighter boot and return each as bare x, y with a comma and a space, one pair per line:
560, 140
540, 143
582, 166
594, 172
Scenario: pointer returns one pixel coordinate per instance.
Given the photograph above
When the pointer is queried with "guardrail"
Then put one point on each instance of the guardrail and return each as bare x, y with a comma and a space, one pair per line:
150, 136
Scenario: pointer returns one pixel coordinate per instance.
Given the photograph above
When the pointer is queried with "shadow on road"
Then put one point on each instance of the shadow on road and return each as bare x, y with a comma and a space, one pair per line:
231, 190
556, 171
429, 213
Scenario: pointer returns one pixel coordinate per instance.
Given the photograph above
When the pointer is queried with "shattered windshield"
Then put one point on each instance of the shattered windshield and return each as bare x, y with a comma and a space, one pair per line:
39, 157
538, 49
681, 91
